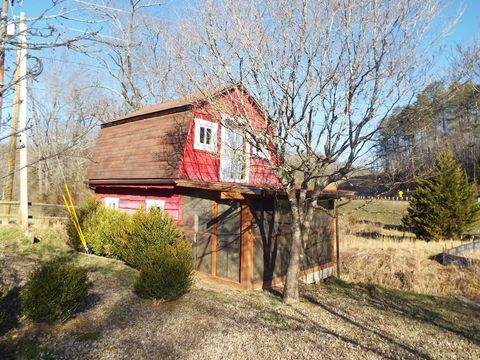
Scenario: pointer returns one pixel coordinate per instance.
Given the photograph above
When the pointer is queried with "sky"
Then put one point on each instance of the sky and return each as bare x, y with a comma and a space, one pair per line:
464, 32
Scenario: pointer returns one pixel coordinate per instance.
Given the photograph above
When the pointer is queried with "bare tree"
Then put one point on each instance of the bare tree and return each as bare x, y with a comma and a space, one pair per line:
132, 49
44, 32
63, 131
325, 74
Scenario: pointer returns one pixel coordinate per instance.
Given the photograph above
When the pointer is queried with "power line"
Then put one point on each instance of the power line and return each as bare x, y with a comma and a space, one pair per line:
71, 62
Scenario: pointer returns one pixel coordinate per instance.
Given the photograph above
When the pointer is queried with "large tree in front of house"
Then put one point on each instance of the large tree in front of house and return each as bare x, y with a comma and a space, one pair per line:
325, 74
444, 205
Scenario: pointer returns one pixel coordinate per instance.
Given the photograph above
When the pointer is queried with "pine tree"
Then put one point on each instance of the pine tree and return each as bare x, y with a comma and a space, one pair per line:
444, 205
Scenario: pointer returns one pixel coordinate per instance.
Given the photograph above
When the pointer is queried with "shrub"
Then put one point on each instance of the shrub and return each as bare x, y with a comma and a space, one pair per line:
54, 291
147, 230
443, 206
84, 214
167, 272
105, 230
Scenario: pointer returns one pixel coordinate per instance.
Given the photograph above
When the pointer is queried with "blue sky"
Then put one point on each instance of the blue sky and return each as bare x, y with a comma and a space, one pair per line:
464, 32
468, 26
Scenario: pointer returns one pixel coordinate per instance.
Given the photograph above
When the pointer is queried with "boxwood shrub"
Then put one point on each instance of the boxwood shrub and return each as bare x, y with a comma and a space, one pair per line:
167, 272
147, 231
106, 230
84, 214
54, 291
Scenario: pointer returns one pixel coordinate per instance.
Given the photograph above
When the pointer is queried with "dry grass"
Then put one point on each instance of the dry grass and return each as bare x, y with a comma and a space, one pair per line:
407, 265
473, 254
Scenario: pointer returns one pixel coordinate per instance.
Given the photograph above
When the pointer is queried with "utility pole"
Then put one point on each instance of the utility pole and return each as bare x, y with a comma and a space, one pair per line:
12, 145
3, 36
22, 120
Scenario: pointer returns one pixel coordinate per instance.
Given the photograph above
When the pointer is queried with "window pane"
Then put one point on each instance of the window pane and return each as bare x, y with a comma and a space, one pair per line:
209, 136
202, 135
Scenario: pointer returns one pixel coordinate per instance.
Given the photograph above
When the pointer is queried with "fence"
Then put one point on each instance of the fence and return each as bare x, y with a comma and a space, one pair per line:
37, 212
455, 254
383, 197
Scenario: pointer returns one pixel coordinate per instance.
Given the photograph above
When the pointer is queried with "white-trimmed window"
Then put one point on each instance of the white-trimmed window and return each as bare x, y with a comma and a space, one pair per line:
153, 203
205, 135
111, 202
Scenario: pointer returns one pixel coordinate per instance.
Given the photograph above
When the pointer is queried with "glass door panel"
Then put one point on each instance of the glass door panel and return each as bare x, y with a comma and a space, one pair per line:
228, 240
197, 223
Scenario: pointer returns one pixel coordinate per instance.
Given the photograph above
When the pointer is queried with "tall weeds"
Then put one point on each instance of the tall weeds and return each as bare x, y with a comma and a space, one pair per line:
406, 264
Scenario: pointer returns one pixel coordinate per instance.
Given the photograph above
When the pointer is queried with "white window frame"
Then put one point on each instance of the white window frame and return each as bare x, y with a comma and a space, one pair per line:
201, 123
111, 202
224, 177
150, 203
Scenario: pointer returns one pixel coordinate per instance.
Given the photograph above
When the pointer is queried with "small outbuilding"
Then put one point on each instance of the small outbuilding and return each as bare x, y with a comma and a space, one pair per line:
184, 158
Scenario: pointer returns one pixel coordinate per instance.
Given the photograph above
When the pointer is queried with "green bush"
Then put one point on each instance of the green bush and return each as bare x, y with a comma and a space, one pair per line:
54, 291
147, 230
84, 214
106, 230
444, 206
167, 272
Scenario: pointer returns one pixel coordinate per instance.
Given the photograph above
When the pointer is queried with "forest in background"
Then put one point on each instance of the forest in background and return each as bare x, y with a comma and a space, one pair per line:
445, 114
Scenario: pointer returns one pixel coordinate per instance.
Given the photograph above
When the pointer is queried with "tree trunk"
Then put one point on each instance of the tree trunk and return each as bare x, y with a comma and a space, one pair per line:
290, 291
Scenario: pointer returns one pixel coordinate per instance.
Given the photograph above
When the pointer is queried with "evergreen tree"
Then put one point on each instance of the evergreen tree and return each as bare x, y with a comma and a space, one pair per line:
444, 205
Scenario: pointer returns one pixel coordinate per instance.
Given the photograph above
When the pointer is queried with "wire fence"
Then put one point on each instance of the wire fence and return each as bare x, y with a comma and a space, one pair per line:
456, 255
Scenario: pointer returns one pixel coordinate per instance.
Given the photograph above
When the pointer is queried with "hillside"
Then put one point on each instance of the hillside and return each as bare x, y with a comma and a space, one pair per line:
334, 320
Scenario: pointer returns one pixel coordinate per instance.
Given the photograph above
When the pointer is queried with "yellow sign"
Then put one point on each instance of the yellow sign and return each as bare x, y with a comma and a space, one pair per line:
400, 193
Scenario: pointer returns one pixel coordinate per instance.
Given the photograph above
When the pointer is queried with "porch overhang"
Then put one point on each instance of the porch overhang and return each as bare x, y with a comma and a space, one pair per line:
228, 190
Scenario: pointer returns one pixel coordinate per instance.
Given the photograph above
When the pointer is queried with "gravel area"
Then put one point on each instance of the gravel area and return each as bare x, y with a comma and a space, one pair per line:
217, 322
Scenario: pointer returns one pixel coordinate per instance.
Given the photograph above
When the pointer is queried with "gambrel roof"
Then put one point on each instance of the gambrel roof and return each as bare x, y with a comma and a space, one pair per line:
147, 143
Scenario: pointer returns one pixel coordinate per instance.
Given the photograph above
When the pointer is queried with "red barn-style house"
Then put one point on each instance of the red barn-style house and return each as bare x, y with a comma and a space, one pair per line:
182, 157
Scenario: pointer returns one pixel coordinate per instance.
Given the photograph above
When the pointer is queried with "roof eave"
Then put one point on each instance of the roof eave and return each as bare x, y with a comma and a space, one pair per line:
169, 111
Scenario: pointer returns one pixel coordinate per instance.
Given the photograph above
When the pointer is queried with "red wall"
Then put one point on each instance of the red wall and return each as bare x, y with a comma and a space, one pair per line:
205, 166
133, 198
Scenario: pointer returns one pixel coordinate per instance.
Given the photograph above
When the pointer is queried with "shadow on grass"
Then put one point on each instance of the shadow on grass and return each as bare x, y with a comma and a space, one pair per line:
88, 303
10, 308
447, 314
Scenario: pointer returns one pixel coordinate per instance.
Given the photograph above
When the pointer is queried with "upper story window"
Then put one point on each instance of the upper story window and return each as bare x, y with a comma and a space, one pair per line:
205, 135
154, 203
260, 148
111, 202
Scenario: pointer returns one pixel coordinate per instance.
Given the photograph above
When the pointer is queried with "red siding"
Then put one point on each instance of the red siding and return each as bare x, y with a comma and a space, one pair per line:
205, 166
198, 164
131, 199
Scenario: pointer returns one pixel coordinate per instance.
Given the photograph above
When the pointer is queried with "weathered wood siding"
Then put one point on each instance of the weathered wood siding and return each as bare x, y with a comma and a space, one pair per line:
273, 230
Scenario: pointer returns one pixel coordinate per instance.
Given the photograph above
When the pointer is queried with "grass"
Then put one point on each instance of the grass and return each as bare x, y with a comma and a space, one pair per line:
28, 350
386, 212
380, 211
407, 265
89, 337
51, 244
277, 319
458, 317
374, 250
